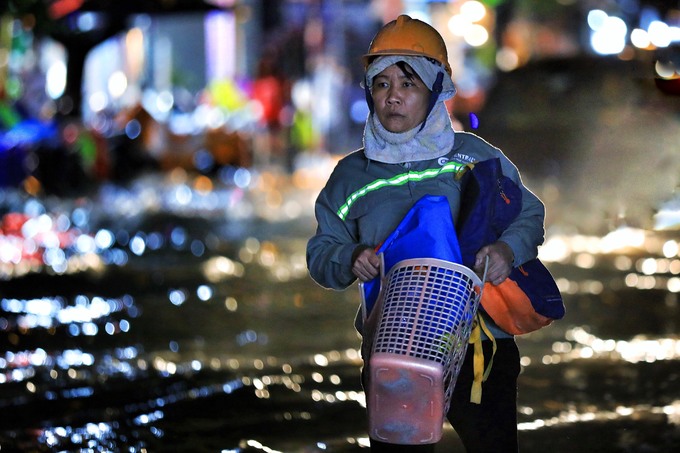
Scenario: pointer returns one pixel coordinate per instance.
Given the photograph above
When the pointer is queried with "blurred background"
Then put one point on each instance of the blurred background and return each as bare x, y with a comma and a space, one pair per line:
159, 161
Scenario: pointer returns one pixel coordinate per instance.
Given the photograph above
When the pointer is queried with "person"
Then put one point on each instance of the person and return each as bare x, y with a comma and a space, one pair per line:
408, 140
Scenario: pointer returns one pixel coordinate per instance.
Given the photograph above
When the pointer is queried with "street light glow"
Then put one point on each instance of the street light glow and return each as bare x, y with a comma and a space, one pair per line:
473, 11
659, 34
596, 19
55, 80
476, 35
640, 38
610, 36
117, 84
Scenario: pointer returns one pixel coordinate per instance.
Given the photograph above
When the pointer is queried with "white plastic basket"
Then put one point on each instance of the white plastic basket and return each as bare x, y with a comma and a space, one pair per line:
427, 308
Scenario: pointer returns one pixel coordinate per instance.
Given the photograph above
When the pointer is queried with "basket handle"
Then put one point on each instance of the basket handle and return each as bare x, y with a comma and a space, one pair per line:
486, 268
381, 255
364, 309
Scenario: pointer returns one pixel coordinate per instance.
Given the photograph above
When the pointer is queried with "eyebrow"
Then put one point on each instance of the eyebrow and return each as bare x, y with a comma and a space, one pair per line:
400, 76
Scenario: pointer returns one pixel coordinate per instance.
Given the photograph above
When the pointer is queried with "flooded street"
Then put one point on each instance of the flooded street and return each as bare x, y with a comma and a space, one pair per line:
196, 328
176, 313
159, 164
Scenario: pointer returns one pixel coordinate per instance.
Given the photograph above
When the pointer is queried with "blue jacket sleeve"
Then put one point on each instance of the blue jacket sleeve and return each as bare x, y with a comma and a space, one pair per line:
526, 232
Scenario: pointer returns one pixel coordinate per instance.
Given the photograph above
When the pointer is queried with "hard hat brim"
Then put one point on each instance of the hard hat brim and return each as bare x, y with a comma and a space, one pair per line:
371, 55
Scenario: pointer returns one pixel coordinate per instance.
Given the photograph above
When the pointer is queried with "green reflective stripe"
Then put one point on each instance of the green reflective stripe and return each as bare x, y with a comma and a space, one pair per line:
398, 180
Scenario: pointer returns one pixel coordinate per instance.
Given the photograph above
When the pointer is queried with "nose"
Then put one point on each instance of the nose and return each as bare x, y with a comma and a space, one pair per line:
393, 96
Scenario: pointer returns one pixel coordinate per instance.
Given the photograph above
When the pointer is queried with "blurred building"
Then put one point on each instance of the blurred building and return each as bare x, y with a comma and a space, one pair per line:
243, 82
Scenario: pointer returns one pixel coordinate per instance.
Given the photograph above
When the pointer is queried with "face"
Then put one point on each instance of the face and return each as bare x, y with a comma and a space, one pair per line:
400, 99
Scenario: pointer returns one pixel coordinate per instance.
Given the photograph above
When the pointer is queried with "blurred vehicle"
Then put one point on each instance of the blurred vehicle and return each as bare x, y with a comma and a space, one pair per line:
598, 132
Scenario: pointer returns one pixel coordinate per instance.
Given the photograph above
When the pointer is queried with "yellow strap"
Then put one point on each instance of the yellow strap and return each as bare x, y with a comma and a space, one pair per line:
468, 166
493, 341
478, 363
480, 374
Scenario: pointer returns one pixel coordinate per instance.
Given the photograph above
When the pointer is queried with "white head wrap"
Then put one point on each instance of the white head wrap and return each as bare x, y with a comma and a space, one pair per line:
426, 70
434, 140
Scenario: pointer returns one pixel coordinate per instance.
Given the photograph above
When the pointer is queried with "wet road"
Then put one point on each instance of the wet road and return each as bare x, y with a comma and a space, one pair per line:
235, 349
181, 318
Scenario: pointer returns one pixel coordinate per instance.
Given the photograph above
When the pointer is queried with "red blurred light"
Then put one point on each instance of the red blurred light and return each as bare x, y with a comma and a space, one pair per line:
669, 86
61, 8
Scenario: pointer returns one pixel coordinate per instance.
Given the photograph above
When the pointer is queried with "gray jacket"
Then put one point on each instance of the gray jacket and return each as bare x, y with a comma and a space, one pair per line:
364, 201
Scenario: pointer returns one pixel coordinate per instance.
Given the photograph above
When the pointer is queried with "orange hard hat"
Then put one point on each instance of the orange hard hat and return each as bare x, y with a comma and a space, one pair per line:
407, 36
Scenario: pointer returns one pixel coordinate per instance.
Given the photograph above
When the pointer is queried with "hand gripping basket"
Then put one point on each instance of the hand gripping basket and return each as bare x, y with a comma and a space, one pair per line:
425, 315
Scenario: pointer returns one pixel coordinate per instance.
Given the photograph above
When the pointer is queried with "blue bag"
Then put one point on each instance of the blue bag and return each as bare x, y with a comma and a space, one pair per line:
529, 298
427, 231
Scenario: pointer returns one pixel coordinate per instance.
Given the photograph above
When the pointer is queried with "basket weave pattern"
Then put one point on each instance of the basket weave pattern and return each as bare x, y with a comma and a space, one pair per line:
428, 310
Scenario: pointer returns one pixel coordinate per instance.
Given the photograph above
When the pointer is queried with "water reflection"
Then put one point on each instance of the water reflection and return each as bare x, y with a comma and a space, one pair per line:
81, 315
642, 411
178, 311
